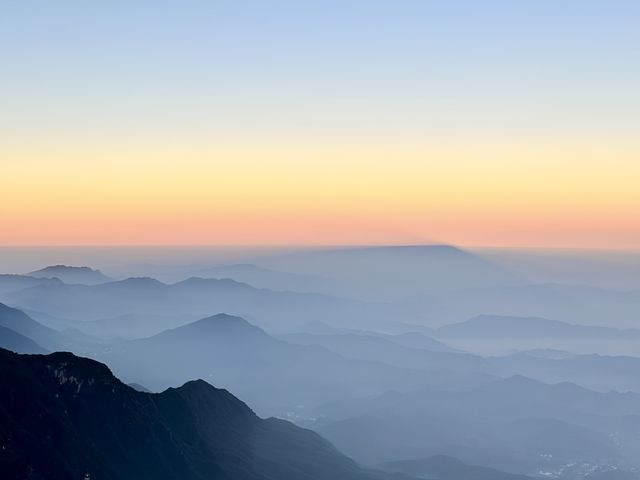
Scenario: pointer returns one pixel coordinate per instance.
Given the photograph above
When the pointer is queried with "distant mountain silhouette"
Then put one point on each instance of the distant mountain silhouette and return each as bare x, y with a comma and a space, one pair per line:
70, 274
577, 304
21, 323
417, 336
373, 347
599, 372
11, 282
148, 297
516, 425
547, 353
45, 337
418, 340
274, 375
62, 416
500, 326
396, 272
261, 277
442, 467
15, 342
508, 398
220, 327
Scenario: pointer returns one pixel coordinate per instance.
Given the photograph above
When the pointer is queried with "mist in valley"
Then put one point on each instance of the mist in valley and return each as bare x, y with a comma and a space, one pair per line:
425, 361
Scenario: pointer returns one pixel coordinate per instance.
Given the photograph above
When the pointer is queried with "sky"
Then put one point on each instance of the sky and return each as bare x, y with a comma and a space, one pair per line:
493, 123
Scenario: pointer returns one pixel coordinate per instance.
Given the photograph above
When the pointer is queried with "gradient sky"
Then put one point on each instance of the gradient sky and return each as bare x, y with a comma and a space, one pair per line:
492, 123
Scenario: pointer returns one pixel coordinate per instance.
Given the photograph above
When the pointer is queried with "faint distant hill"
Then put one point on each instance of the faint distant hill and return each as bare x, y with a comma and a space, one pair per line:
443, 467
70, 274
149, 297
43, 337
577, 304
261, 277
516, 425
384, 349
12, 282
501, 326
547, 353
19, 322
417, 337
18, 343
600, 372
393, 272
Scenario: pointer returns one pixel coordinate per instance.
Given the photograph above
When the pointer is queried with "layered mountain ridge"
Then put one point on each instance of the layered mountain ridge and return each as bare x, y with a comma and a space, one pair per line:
62, 416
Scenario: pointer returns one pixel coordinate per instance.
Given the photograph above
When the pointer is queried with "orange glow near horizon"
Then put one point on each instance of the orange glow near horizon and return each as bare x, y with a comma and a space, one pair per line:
473, 193
506, 124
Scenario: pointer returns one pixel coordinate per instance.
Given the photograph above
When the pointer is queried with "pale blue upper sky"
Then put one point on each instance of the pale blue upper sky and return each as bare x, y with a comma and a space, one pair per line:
325, 67
477, 122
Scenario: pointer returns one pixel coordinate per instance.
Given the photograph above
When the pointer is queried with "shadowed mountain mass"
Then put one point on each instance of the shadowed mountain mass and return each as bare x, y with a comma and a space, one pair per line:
49, 430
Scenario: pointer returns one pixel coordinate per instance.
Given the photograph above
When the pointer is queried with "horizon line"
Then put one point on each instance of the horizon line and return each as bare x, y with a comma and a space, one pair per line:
332, 246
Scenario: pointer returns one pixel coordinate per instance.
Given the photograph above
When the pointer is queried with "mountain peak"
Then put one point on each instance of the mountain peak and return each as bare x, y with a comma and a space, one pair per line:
64, 268
191, 432
208, 328
226, 404
224, 321
62, 368
72, 274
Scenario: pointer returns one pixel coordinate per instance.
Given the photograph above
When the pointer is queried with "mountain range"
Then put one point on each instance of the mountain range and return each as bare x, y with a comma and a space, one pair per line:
516, 425
196, 298
262, 277
63, 416
365, 362
72, 274
273, 375
391, 360
11, 340
395, 272
20, 323
501, 326
12, 282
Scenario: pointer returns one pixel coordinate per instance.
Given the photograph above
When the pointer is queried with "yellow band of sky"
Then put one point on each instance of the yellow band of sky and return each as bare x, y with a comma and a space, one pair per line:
471, 191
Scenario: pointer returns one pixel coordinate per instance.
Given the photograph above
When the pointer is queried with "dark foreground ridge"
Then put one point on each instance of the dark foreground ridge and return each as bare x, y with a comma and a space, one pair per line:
62, 416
